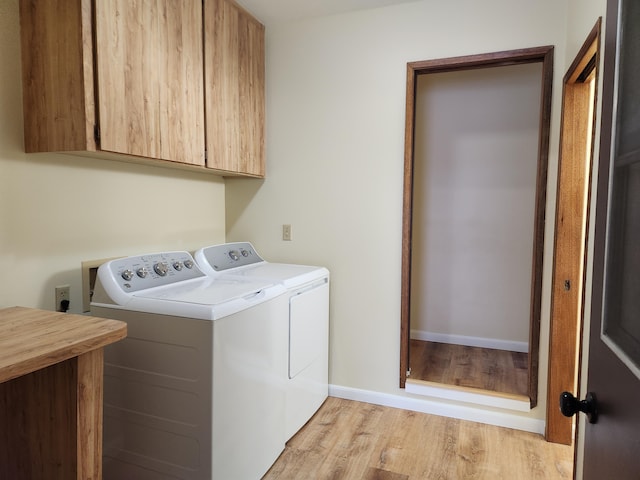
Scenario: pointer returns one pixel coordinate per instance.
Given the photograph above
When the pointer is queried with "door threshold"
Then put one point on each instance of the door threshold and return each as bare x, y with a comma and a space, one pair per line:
509, 401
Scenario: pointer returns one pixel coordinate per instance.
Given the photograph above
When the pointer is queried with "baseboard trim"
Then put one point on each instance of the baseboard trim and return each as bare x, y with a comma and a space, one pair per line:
443, 408
509, 345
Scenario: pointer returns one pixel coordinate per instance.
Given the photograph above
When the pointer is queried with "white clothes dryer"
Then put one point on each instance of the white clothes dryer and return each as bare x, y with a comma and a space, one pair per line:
195, 392
307, 318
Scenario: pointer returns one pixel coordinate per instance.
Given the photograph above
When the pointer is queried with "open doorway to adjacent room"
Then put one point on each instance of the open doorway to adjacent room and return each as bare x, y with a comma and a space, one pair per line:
476, 150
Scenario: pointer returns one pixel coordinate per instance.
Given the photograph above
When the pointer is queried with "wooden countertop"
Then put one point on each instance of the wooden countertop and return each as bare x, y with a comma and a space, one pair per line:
32, 339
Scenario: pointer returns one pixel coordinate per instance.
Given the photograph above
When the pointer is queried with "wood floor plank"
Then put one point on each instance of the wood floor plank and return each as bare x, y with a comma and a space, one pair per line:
352, 440
474, 367
378, 474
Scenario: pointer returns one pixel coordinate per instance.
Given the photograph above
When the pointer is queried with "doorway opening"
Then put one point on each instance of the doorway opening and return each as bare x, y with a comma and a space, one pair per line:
539, 55
571, 229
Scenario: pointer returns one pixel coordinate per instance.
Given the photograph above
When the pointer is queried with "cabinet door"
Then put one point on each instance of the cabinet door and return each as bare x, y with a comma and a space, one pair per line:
234, 88
149, 77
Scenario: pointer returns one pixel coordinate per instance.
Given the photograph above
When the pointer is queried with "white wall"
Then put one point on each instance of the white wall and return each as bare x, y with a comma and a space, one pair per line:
475, 171
335, 146
59, 210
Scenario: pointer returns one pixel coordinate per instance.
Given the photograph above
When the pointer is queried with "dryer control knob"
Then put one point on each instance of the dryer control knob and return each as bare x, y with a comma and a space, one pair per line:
234, 255
188, 264
142, 272
178, 266
161, 268
127, 274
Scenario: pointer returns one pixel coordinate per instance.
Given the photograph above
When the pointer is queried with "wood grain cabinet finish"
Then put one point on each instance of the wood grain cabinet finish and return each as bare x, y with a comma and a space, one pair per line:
126, 80
234, 81
149, 76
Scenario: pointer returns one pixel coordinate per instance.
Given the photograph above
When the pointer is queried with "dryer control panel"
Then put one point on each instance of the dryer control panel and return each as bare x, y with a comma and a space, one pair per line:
230, 255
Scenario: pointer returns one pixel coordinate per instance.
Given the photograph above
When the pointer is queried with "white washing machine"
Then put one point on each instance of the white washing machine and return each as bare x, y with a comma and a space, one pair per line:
307, 318
195, 391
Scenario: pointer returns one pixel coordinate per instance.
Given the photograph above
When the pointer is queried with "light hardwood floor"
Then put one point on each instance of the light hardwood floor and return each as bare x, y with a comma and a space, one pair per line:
359, 441
474, 367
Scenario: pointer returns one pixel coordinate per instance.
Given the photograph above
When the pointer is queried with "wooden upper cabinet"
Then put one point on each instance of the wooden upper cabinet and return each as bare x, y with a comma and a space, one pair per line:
234, 88
149, 76
136, 79
57, 74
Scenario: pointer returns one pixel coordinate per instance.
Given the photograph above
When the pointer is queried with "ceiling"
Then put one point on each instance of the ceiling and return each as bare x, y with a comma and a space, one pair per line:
272, 12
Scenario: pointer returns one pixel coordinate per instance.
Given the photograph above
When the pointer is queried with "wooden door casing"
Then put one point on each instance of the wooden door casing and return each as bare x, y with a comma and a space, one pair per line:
571, 227
543, 55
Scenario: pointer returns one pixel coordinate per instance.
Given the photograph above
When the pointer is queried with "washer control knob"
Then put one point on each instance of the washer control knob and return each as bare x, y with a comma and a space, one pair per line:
188, 264
161, 268
244, 253
178, 266
142, 272
234, 255
127, 274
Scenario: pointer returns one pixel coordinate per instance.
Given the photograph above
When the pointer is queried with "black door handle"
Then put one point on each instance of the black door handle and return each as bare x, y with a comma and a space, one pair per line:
570, 405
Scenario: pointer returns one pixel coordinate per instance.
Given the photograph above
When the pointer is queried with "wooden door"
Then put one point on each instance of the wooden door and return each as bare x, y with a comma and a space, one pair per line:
234, 89
612, 445
149, 77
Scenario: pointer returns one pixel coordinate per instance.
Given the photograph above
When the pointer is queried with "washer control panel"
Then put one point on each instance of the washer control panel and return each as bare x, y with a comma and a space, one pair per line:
231, 255
132, 274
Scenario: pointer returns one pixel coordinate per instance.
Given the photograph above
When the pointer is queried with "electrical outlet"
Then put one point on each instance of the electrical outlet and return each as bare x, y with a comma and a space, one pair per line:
62, 296
286, 232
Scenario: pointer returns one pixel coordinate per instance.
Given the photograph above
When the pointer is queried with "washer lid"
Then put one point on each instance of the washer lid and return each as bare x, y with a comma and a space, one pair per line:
208, 291
205, 299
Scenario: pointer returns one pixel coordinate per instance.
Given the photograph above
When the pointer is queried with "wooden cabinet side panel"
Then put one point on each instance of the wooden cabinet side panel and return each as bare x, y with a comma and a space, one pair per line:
38, 424
234, 81
56, 71
150, 79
